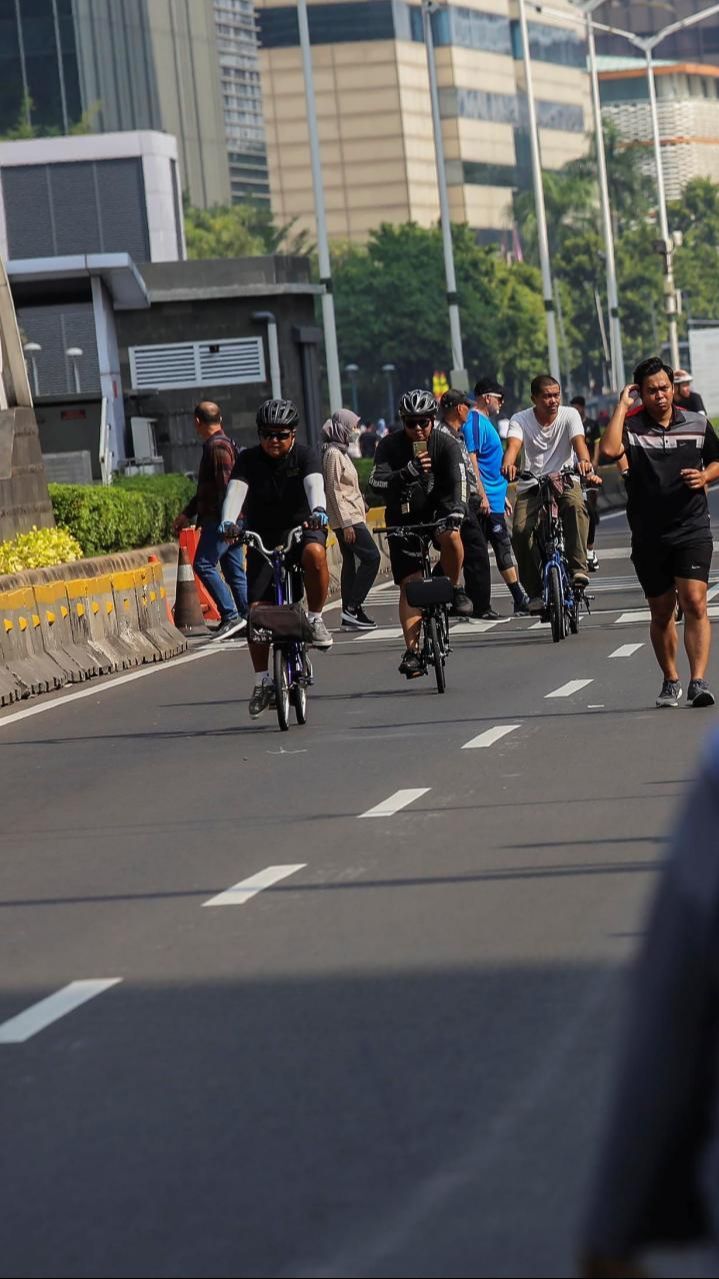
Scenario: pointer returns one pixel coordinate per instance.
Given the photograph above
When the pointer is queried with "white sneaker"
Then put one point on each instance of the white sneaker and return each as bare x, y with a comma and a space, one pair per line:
321, 637
592, 561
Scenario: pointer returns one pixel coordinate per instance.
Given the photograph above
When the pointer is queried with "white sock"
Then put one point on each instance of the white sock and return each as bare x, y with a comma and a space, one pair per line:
261, 677
314, 617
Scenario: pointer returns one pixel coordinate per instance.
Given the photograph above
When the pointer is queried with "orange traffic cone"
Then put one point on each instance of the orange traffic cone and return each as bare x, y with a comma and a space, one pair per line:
190, 538
187, 610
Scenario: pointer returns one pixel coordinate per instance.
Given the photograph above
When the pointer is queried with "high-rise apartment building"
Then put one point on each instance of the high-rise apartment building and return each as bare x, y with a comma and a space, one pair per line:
238, 53
374, 114
125, 64
688, 111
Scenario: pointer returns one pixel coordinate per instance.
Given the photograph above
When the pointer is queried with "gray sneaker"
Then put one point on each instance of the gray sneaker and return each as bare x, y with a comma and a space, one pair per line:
263, 697
321, 637
671, 693
699, 693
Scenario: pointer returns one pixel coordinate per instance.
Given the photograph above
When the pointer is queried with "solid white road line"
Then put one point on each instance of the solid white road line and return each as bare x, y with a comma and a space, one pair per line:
95, 689
643, 615
626, 650
35, 1018
573, 686
490, 736
400, 799
247, 888
713, 591
540, 626
382, 633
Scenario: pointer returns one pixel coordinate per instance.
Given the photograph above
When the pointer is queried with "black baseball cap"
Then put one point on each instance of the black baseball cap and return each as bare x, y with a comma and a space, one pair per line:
452, 400
489, 386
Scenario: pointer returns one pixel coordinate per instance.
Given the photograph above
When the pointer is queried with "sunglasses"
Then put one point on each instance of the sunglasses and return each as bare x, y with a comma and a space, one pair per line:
419, 423
275, 435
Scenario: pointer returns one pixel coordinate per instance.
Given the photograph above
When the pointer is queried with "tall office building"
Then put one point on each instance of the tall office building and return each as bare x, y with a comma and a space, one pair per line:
126, 64
237, 49
699, 43
374, 114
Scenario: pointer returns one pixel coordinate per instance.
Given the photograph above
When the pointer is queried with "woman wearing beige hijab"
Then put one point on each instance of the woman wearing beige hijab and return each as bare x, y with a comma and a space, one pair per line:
346, 510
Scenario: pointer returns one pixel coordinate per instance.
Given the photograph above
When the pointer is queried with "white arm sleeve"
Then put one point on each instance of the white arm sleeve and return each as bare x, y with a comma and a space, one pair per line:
234, 500
315, 490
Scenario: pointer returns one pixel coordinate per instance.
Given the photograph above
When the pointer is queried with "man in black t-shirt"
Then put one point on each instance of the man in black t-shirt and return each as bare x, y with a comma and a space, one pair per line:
684, 397
277, 485
673, 456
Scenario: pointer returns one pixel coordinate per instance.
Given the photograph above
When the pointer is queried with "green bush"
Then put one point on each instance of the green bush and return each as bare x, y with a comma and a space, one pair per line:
178, 487
105, 520
364, 466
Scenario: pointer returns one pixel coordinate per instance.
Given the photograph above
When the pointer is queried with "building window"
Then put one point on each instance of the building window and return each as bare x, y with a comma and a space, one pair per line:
490, 175
550, 44
509, 108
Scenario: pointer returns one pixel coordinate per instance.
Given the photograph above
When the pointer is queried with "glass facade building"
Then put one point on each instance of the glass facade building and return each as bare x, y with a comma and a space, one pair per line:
238, 53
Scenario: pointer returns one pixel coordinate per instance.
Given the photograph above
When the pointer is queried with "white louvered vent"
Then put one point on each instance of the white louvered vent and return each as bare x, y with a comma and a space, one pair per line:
225, 362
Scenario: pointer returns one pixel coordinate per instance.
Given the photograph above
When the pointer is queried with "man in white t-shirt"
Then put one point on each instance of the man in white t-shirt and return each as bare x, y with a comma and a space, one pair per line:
550, 433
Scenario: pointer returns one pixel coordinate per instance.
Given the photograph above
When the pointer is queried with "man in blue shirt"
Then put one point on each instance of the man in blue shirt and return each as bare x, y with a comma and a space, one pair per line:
485, 450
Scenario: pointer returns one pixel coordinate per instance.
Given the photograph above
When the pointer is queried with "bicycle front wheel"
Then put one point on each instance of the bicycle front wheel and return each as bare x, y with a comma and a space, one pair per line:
556, 604
437, 654
282, 688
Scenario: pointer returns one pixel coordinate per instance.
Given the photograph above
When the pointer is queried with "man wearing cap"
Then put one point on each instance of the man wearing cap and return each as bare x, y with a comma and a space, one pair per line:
687, 400
486, 453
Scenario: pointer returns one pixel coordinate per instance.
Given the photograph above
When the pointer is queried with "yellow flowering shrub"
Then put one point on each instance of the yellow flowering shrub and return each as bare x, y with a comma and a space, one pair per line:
40, 548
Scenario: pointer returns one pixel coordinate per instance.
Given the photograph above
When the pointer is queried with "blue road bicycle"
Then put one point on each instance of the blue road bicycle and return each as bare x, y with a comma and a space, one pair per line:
563, 601
284, 625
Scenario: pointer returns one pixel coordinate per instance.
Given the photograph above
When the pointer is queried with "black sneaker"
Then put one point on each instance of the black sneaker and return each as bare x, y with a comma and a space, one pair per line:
490, 615
699, 693
462, 604
231, 626
411, 665
357, 620
671, 693
522, 610
263, 697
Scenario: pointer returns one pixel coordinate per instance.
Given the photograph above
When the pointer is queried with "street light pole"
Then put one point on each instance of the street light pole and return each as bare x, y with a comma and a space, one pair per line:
670, 295
352, 370
323, 252
542, 237
615, 327
388, 370
459, 373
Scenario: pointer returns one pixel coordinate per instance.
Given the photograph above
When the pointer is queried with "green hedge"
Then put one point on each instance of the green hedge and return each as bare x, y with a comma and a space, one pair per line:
135, 512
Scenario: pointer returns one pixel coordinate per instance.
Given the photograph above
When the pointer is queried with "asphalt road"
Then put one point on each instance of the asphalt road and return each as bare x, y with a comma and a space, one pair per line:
391, 1060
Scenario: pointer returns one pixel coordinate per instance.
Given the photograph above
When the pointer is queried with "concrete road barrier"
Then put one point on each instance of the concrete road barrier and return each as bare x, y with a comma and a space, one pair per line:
61, 628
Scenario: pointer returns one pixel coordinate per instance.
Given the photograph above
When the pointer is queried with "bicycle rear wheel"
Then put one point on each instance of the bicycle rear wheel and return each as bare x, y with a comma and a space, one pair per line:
298, 693
437, 653
556, 604
282, 688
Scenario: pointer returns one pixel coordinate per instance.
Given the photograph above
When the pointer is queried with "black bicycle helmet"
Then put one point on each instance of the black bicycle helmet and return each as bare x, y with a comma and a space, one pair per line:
278, 413
417, 403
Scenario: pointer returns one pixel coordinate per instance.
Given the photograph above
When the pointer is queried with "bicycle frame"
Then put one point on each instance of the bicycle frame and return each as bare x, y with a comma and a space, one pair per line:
291, 653
434, 615
555, 569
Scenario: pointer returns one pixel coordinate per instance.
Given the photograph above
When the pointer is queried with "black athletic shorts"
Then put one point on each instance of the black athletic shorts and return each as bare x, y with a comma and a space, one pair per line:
405, 558
260, 587
497, 534
658, 567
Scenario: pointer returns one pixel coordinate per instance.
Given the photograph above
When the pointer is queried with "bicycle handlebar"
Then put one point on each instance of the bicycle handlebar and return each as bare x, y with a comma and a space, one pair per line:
254, 539
566, 470
400, 530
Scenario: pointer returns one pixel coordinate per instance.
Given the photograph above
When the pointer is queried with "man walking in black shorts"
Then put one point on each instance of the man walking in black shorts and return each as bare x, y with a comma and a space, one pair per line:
673, 456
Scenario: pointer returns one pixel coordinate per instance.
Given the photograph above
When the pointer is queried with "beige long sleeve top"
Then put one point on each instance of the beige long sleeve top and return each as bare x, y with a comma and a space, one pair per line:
345, 504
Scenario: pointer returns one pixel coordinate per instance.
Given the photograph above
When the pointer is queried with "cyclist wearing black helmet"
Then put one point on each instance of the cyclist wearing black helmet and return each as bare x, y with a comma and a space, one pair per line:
277, 485
419, 485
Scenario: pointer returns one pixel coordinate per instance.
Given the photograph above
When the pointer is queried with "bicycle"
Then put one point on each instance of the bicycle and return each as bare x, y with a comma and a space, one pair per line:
563, 600
285, 626
433, 596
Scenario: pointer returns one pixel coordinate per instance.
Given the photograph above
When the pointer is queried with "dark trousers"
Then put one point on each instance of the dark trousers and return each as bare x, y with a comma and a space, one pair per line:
593, 514
360, 566
477, 580
229, 588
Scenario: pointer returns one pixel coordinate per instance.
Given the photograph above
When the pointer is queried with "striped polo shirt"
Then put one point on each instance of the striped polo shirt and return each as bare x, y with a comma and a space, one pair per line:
660, 506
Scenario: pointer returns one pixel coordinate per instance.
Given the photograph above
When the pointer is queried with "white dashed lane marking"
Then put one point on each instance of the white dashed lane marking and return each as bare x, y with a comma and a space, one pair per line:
38, 1016
400, 799
248, 888
572, 686
626, 650
490, 736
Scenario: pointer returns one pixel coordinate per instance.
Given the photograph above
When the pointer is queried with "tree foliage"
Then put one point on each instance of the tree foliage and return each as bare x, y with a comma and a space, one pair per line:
239, 230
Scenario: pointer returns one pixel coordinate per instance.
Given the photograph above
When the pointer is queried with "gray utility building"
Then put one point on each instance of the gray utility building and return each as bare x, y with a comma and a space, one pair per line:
209, 333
